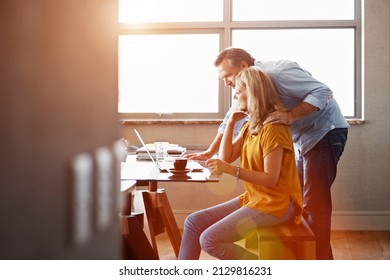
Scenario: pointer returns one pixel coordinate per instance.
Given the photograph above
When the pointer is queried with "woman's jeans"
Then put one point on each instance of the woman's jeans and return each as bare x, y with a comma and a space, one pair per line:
217, 228
317, 171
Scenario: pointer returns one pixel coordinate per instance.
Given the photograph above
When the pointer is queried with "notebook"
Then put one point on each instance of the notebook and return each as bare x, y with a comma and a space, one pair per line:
164, 166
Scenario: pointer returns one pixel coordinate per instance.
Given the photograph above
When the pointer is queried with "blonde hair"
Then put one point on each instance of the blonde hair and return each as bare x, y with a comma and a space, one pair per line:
262, 96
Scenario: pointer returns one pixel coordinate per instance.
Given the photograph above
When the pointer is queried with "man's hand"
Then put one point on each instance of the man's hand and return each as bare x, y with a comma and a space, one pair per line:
300, 111
200, 156
278, 117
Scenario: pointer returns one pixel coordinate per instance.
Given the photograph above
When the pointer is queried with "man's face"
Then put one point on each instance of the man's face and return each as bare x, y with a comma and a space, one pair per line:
228, 72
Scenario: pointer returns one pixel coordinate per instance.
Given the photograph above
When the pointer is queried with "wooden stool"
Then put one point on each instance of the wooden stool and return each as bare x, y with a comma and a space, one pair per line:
286, 242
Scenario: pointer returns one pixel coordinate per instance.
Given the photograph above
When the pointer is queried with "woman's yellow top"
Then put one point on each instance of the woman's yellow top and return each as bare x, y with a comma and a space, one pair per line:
271, 200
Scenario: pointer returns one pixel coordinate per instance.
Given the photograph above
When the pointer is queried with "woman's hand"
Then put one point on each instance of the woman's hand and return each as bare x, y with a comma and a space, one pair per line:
238, 115
217, 165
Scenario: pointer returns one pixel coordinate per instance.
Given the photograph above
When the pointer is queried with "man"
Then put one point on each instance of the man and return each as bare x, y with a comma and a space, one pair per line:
318, 128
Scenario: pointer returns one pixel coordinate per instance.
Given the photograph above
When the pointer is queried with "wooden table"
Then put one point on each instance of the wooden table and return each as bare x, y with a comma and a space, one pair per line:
157, 208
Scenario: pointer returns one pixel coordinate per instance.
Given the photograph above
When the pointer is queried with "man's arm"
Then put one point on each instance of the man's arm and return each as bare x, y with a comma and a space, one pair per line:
212, 150
300, 111
214, 146
294, 84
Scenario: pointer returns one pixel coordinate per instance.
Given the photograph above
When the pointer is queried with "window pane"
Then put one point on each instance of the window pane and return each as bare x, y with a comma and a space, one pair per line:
168, 73
170, 10
328, 54
252, 10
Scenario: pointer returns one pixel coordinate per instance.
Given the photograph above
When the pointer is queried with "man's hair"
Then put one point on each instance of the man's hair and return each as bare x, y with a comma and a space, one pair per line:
235, 56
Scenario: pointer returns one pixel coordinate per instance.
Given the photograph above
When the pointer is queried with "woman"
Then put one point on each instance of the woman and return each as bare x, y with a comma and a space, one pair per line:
272, 190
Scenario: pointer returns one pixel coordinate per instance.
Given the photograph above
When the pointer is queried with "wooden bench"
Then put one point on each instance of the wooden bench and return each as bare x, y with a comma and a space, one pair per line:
286, 242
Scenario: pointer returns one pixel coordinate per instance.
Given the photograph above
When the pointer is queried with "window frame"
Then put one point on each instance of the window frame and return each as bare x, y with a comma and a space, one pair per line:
225, 29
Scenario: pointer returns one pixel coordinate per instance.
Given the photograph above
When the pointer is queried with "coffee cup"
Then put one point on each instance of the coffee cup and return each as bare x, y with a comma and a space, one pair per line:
180, 163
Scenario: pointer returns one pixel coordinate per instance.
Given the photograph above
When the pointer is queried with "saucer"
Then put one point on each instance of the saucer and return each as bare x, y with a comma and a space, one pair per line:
180, 176
178, 171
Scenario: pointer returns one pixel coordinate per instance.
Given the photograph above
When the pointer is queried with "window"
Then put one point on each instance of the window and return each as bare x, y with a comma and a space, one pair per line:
170, 10
252, 10
145, 68
167, 49
314, 50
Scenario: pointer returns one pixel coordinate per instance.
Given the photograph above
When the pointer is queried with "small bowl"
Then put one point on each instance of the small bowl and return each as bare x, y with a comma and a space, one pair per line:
180, 163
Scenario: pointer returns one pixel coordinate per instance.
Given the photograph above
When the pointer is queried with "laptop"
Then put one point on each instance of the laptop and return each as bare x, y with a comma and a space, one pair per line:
159, 164
164, 166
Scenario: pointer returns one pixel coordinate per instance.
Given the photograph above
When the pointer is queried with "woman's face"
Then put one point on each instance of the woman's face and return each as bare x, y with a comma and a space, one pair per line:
242, 98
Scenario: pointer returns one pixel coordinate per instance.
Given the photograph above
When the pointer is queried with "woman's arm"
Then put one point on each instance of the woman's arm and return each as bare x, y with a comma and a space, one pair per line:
229, 149
268, 178
272, 167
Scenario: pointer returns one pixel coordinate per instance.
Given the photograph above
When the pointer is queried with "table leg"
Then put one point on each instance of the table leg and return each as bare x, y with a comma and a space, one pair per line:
136, 244
160, 216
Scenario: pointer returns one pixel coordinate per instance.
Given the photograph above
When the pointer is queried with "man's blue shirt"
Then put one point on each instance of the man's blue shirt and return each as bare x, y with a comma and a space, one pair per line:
296, 85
